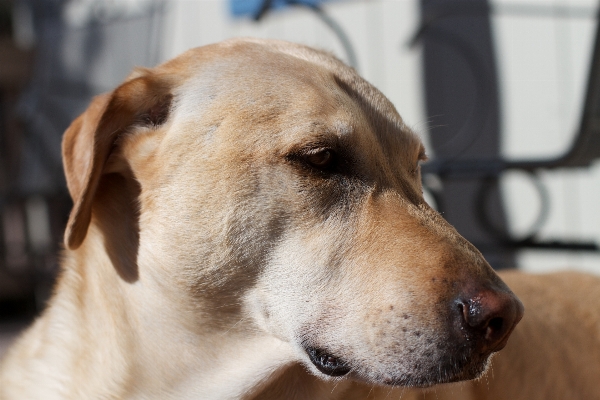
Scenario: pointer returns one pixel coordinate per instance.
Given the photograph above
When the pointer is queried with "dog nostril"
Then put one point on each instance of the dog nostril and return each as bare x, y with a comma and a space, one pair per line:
494, 326
489, 317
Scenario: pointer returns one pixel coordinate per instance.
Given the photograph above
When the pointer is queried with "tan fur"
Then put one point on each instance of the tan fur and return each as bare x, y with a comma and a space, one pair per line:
205, 254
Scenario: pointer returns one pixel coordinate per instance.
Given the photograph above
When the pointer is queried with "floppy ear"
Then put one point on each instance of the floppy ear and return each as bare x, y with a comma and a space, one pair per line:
89, 141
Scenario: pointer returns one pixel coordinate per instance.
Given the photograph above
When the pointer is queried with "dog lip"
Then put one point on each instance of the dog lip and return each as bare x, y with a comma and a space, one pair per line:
326, 363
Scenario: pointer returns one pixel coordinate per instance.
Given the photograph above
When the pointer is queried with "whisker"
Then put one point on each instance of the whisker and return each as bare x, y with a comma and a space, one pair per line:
233, 326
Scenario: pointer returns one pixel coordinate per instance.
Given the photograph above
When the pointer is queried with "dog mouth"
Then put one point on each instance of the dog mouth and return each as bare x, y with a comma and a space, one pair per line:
326, 363
424, 373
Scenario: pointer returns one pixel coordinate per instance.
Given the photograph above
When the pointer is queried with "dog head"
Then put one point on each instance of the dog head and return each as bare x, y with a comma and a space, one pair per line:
267, 182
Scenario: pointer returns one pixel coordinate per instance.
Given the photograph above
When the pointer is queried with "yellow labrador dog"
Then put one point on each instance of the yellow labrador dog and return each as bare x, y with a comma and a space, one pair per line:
248, 223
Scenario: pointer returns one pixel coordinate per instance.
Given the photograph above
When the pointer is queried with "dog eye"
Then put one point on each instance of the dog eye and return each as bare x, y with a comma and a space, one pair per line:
321, 159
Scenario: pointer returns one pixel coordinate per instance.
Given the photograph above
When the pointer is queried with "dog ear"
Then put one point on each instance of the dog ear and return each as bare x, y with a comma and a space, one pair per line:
87, 144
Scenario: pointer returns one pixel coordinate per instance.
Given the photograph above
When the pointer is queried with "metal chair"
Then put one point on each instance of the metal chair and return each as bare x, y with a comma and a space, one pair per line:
584, 150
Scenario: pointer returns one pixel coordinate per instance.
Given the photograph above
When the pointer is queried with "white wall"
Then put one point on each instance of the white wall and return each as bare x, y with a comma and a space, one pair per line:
542, 67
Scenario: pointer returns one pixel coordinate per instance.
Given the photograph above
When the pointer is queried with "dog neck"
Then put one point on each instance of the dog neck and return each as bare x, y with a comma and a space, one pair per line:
122, 328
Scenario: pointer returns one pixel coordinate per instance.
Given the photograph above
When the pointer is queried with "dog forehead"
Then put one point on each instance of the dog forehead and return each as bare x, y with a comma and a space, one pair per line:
254, 74
287, 90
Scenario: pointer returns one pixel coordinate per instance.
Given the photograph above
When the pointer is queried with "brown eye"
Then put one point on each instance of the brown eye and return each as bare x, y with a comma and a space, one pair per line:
321, 159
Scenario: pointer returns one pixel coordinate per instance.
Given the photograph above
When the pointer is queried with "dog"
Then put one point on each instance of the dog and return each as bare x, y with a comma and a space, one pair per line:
248, 222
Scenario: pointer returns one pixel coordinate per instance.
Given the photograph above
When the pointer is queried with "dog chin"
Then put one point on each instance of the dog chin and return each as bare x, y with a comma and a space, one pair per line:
431, 373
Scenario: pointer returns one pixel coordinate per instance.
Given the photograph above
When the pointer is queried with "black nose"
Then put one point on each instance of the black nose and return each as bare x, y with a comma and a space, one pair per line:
489, 317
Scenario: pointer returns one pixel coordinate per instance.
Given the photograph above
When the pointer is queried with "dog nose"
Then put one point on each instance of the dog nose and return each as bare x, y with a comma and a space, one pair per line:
489, 317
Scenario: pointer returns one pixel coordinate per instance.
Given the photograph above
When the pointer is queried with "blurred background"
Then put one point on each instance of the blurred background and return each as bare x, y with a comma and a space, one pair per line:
505, 94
